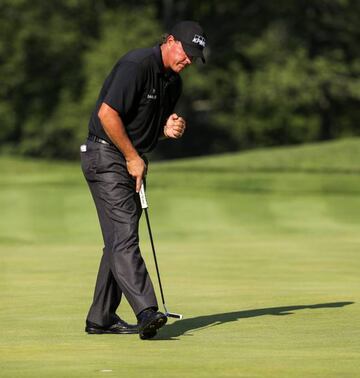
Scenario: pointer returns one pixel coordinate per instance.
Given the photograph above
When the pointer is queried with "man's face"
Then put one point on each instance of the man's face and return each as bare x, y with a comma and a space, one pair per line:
178, 59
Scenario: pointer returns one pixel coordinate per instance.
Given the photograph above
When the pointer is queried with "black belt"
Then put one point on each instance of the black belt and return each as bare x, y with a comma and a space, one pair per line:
96, 139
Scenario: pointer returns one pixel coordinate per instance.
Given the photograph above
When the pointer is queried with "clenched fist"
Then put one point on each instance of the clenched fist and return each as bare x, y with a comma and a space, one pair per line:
175, 127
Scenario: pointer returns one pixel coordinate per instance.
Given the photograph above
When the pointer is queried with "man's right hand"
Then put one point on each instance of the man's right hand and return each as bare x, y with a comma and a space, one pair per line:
137, 169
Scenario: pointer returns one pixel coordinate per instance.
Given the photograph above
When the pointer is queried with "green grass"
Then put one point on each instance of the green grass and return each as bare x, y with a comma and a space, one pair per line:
259, 251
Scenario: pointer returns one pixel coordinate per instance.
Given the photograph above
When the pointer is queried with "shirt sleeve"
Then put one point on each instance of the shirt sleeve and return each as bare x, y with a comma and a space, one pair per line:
125, 88
173, 96
177, 93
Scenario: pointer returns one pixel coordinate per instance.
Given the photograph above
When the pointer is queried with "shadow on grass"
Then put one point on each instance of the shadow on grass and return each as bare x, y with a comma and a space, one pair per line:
181, 327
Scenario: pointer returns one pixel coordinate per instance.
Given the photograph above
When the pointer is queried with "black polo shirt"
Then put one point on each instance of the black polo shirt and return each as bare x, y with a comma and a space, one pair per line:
143, 94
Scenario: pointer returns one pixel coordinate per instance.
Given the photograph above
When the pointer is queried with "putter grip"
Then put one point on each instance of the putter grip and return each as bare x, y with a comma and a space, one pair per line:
143, 201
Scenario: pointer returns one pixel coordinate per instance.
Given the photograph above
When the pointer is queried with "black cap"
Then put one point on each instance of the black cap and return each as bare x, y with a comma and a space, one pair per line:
191, 36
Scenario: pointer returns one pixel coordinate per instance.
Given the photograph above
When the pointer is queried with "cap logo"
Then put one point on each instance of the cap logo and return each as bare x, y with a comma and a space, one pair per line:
198, 39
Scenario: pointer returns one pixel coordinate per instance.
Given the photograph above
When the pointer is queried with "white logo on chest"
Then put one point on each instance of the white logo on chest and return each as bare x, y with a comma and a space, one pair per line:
152, 95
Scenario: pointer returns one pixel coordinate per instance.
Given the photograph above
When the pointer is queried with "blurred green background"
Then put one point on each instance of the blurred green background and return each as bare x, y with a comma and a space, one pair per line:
277, 73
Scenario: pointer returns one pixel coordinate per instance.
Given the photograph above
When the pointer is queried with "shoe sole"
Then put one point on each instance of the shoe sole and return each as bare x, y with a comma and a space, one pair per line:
94, 331
148, 335
150, 330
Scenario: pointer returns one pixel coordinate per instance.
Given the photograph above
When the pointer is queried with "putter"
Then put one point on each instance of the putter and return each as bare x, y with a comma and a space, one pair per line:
145, 206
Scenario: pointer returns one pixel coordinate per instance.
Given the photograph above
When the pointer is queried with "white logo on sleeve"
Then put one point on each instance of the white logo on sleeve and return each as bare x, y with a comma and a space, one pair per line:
198, 39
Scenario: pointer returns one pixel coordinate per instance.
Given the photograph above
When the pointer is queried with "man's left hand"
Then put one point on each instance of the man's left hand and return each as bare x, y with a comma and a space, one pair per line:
175, 127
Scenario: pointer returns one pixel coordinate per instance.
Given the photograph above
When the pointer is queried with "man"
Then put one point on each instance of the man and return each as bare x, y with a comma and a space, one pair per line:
134, 110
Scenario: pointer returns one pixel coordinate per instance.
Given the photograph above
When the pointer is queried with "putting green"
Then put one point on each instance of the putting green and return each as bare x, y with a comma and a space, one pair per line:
259, 251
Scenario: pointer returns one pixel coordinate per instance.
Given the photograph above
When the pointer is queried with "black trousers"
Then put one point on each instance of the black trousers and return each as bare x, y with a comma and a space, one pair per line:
122, 269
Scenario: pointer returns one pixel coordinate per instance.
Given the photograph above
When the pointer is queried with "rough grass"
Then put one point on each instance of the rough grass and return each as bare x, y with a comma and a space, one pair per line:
259, 251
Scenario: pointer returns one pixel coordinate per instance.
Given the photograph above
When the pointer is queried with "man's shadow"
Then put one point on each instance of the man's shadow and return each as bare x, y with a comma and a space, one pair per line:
180, 327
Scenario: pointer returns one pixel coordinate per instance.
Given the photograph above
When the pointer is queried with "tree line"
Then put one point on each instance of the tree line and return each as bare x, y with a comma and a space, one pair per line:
277, 73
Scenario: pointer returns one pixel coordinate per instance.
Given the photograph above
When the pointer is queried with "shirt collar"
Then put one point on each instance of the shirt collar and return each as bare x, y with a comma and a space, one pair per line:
169, 74
158, 58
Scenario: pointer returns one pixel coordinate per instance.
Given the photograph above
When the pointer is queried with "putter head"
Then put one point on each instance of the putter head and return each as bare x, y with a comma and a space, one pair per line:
173, 315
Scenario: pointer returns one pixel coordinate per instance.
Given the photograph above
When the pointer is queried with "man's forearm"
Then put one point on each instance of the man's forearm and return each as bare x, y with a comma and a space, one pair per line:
115, 130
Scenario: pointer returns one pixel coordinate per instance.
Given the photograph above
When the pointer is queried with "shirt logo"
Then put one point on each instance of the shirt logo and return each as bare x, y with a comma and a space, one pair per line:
152, 95
198, 39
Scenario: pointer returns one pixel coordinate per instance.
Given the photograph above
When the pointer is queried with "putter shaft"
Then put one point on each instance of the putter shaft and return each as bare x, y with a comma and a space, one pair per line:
154, 254
144, 205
